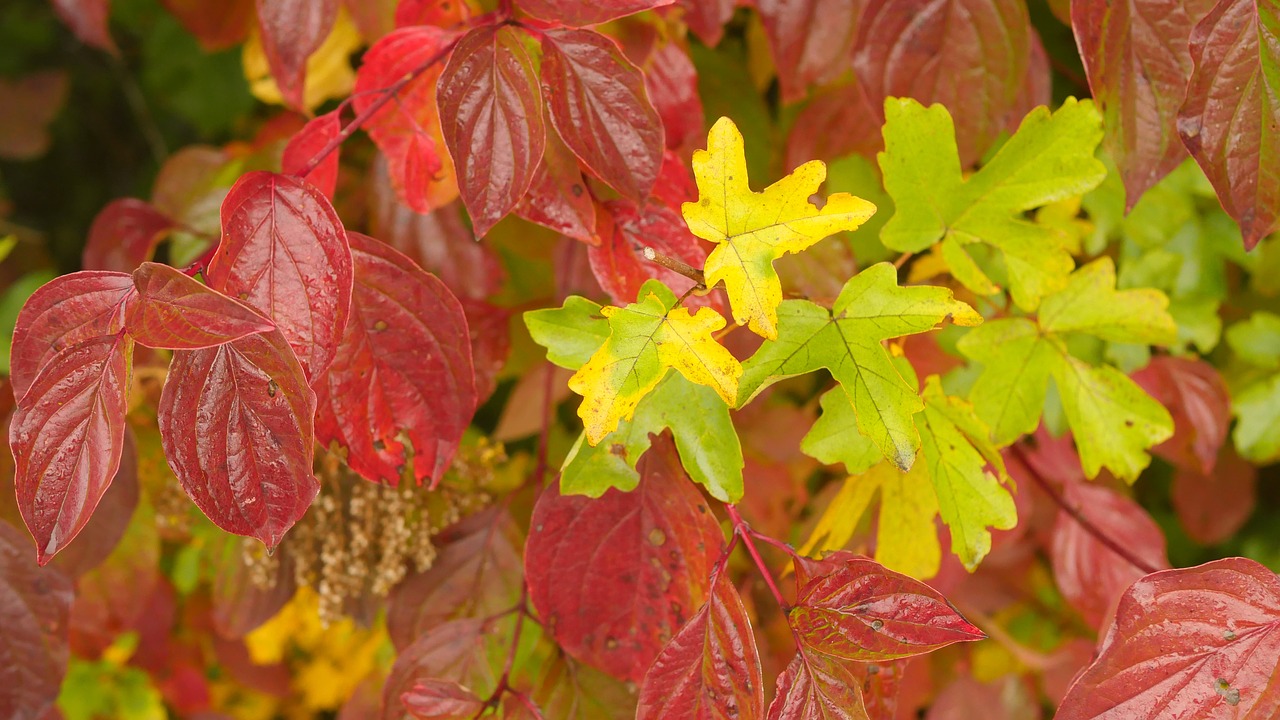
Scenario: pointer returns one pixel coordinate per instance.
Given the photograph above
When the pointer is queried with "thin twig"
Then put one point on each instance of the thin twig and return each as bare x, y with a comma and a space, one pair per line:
783, 546
902, 260
741, 528
675, 265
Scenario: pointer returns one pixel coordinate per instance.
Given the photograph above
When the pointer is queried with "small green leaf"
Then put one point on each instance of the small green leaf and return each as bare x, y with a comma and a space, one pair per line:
1257, 434
834, 438
1016, 360
1257, 340
570, 333
1090, 304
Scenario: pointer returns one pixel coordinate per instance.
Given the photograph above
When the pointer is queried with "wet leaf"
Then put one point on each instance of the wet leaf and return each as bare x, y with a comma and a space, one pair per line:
175, 312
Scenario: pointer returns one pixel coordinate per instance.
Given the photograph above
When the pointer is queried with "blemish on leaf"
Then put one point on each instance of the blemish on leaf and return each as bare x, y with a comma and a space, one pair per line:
1228, 635
618, 450
272, 388
380, 325
877, 624
657, 538
1229, 694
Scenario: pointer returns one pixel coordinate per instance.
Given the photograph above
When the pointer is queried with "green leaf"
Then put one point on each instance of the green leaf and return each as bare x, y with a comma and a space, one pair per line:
1050, 158
1091, 305
7, 244
1257, 434
846, 340
571, 333
1257, 340
834, 438
1009, 394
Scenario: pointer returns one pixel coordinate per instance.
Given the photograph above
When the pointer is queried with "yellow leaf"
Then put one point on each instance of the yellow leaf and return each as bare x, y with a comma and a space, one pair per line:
329, 71
754, 229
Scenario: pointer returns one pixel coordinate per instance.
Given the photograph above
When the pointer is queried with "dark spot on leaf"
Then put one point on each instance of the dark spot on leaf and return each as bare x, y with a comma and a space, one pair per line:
1228, 635
272, 388
657, 538
379, 445
702, 509
705, 202
380, 325
618, 450
877, 624
1128, 423
577, 190
873, 669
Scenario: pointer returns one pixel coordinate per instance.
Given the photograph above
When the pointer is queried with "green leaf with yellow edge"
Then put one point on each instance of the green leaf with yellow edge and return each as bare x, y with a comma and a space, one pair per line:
704, 434
646, 340
753, 229
1049, 159
573, 332
967, 471
846, 340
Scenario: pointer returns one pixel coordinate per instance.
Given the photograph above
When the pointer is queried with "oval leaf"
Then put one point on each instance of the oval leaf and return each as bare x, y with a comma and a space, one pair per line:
577, 13
236, 423
291, 31
284, 252
124, 235
810, 39
303, 147
558, 197
1197, 398
34, 608
175, 312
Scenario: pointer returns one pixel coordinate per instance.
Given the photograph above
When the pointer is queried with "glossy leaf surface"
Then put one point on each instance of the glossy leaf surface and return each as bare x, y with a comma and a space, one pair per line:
124, 235
577, 14
558, 197
815, 687
619, 264
175, 312
306, 145
441, 700
291, 31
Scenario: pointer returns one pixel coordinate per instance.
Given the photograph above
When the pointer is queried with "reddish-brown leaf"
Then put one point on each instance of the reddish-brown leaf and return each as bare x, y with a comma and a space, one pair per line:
107, 526
285, 253
576, 13
1090, 575
675, 185
707, 18
970, 55
236, 423
491, 113
67, 436
439, 242
303, 147
64, 312
1194, 644
858, 610
441, 700
490, 328
476, 574
966, 698
30, 103
34, 604
810, 39
711, 668
1135, 55
1197, 398
1213, 506
88, 21
599, 105
240, 603
570, 690
175, 312
408, 130
838, 121
124, 235
619, 264
814, 687
403, 371
216, 24
559, 197
441, 13
457, 651
651, 554
1231, 118
672, 83
291, 31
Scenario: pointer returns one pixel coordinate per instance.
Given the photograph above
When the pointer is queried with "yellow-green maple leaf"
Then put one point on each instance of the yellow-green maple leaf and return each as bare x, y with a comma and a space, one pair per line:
754, 229
646, 340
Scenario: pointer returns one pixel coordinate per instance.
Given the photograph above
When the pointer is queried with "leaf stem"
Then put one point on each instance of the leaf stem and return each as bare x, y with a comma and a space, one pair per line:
675, 265
504, 682
743, 530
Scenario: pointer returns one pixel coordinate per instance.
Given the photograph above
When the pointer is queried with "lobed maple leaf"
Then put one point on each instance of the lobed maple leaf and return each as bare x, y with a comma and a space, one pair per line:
753, 229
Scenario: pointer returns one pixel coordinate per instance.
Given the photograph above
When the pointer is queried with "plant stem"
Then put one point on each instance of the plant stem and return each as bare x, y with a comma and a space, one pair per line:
675, 265
742, 529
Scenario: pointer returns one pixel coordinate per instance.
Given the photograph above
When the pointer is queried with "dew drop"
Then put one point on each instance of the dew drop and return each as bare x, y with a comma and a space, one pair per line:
877, 624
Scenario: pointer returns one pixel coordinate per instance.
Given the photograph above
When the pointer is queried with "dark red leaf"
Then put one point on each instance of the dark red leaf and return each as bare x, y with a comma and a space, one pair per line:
559, 197
811, 39
882, 686
861, 611
1231, 118
403, 371
303, 147
1196, 396
476, 574
456, 651
711, 668
408, 130
576, 13
1213, 507
124, 235
216, 25
109, 521
491, 112
1135, 55
1037, 85
441, 700
67, 436
814, 687
672, 83
440, 13
175, 312
707, 18
675, 184
285, 253
1194, 644
599, 105
291, 31
838, 121
88, 21
440, 243
236, 423
619, 264
490, 328
64, 312
652, 552
34, 604
1090, 575
240, 603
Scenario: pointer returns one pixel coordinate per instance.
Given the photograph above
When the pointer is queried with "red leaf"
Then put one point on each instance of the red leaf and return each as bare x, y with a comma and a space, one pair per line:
215, 25
490, 328
285, 253
440, 13
67, 436
491, 112
236, 423
1135, 55
310, 140
619, 264
814, 687
107, 526
441, 700
291, 31
966, 698
440, 243
1090, 575
64, 312
559, 197
34, 605
240, 603
1196, 396
124, 235
476, 574
675, 184
707, 18
576, 13
861, 611
1231, 118
456, 651
652, 552
31, 102
1193, 643
407, 130
88, 21
600, 108
811, 39
403, 370
836, 122
1213, 507
175, 312
672, 83
970, 55
711, 668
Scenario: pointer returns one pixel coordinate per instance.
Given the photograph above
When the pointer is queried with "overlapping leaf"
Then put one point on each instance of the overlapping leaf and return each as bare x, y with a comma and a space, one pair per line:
441, 700
558, 197
123, 235
577, 14
1050, 158
754, 229
291, 31
810, 39
1197, 398
175, 312
815, 687
34, 607
306, 144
